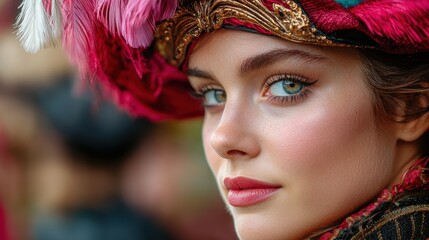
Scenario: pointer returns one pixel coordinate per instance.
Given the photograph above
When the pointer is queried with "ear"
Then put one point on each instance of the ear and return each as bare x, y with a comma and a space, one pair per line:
413, 130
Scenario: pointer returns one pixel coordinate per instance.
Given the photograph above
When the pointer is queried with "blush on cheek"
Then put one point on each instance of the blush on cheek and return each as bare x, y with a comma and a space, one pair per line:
326, 138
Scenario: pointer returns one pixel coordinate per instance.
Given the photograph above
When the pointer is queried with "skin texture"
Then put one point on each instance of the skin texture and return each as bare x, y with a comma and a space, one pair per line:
323, 148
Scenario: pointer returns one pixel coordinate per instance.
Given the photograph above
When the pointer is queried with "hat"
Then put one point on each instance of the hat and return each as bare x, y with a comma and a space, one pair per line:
139, 48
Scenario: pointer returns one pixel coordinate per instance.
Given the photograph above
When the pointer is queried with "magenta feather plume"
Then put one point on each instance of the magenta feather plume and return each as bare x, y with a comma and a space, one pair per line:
140, 18
166, 9
110, 14
79, 36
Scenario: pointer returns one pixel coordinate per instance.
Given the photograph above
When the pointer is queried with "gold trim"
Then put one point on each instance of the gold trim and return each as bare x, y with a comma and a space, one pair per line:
393, 216
398, 230
286, 21
380, 235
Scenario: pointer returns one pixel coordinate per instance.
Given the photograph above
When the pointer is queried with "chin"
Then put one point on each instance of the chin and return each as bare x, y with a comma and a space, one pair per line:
256, 227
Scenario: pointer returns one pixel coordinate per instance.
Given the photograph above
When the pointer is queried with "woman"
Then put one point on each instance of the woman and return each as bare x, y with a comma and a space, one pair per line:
316, 112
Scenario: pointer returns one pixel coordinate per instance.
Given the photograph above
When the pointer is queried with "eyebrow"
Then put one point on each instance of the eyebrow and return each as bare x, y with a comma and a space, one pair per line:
263, 60
268, 58
195, 72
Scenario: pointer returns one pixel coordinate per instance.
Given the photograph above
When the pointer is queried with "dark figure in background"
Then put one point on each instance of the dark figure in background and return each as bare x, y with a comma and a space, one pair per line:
99, 138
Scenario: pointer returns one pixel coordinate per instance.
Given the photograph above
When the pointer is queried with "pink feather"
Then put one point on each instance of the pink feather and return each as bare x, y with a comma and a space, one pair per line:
47, 4
79, 35
110, 14
140, 18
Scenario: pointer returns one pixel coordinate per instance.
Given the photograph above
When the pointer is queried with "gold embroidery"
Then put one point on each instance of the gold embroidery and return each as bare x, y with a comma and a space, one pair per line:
380, 235
288, 22
398, 230
393, 216
423, 222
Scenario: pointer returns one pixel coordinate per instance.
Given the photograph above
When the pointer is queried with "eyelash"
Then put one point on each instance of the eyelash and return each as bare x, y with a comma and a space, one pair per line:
282, 100
200, 92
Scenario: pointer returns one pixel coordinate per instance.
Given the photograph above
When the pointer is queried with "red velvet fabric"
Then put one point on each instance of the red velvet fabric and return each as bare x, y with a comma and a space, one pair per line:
398, 26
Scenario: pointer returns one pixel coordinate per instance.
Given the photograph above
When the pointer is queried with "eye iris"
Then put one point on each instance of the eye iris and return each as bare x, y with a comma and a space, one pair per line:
292, 87
220, 96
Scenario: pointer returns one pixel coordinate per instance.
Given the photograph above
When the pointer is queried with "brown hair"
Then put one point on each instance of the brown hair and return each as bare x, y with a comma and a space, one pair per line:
400, 85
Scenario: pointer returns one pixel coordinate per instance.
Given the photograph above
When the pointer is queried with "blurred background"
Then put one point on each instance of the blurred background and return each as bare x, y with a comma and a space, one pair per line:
75, 167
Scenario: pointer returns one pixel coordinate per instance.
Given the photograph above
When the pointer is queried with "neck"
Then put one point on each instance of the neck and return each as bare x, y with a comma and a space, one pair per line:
407, 153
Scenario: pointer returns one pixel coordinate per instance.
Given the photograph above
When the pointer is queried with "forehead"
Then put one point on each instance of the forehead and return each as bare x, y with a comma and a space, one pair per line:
236, 46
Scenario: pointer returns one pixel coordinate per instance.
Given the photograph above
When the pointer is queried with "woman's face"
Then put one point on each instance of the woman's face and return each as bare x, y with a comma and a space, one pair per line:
289, 132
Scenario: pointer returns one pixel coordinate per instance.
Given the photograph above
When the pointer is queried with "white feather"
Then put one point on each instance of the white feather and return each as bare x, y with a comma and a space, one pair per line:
56, 19
34, 28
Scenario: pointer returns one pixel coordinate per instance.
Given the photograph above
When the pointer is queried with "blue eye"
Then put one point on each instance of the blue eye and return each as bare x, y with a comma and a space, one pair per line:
214, 97
285, 88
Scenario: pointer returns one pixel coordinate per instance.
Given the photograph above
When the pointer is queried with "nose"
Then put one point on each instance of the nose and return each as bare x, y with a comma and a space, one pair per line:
235, 136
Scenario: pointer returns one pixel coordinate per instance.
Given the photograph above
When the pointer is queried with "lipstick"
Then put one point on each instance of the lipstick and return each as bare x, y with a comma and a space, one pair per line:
245, 192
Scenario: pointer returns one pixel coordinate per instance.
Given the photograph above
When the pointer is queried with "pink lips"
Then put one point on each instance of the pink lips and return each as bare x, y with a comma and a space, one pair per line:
246, 192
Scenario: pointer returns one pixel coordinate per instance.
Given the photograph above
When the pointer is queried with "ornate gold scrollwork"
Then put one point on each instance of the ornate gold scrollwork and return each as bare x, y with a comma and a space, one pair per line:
286, 21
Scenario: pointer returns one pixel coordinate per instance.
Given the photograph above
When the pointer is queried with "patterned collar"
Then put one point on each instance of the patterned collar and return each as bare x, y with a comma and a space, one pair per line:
417, 176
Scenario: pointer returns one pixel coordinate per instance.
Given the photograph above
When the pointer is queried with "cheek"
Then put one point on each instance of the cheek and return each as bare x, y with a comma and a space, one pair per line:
337, 122
326, 132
